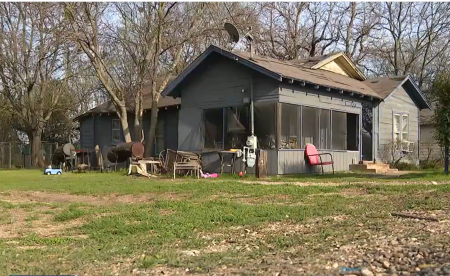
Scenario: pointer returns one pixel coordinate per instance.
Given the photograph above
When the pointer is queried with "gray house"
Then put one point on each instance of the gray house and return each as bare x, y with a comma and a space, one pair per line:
317, 100
397, 116
430, 150
101, 126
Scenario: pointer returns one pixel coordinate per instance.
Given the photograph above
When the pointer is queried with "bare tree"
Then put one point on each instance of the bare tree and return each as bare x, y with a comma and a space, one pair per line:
413, 39
357, 23
298, 30
87, 27
31, 66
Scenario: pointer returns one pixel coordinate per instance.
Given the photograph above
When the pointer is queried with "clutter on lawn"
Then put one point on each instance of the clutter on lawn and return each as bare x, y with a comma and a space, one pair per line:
208, 175
51, 171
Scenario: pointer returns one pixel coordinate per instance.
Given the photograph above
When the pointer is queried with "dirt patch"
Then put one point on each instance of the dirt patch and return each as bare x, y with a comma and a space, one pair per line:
43, 226
31, 247
352, 192
368, 183
46, 197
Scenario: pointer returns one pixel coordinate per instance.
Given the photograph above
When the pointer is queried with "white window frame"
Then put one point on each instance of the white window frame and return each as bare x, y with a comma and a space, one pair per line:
114, 130
400, 133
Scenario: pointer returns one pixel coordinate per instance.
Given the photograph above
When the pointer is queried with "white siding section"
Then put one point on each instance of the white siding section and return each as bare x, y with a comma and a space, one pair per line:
398, 102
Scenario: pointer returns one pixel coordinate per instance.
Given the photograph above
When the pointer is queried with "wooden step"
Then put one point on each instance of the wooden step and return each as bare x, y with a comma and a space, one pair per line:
392, 170
362, 168
370, 167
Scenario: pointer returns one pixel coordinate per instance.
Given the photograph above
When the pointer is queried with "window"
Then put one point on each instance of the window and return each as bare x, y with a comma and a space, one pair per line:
115, 130
290, 126
401, 127
339, 130
265, 124
213, 119
325, 129
310, 126
159, 136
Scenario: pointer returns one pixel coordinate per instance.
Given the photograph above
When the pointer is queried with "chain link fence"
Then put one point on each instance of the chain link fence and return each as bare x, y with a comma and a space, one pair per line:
18, 155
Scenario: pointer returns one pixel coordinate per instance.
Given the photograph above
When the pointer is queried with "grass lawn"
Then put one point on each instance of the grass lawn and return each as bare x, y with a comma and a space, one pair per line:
110, 224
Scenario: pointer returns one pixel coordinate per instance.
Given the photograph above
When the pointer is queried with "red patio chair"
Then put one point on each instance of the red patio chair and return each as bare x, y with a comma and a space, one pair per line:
315, 158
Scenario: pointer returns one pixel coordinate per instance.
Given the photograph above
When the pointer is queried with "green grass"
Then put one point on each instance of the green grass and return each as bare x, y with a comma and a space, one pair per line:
96, 233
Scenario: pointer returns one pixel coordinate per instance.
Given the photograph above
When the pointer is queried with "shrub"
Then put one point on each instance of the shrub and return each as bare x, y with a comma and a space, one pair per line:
403, 166
431, 164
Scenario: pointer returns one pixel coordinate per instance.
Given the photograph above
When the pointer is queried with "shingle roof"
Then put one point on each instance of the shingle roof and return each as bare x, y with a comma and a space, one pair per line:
384, 86
281, 69
291, 69
311, 61
109, 107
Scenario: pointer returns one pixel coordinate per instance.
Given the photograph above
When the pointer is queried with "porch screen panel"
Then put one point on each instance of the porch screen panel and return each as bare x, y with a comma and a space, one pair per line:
237, 122
265, 121
310, 126
325, 129
339, 130
213, 119
290, 126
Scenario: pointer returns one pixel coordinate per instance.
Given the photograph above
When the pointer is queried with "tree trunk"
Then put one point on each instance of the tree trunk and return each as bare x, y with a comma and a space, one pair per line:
149, 142
138, 130
36, 146
446, 159
124, 122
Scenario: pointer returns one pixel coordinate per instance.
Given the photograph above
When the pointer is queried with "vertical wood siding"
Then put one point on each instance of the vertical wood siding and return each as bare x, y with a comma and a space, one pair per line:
87, 132
293, 161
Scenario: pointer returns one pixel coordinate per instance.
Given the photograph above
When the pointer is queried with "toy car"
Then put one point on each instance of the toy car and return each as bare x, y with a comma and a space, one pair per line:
53, 171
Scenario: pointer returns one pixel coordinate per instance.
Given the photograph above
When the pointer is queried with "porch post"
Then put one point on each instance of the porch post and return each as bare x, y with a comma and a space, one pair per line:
360, 136
278, 125
375, 131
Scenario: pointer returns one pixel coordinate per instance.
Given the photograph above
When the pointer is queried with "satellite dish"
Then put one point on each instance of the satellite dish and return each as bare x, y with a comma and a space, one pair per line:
232, 31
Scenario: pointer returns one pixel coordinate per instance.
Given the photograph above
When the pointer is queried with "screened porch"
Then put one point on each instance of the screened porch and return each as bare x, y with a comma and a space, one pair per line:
284, 130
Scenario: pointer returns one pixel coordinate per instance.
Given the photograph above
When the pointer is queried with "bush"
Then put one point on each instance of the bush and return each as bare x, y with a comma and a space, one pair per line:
403, 166
431, 164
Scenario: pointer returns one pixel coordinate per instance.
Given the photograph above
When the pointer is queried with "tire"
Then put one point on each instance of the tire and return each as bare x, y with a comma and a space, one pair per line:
58, 173
48, 173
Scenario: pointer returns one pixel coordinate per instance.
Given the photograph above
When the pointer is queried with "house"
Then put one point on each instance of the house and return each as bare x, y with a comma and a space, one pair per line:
396, 117
101, 126
430, 150
317, 100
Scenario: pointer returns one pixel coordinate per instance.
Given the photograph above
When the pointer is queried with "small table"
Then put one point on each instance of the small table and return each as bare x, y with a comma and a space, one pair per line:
221, 154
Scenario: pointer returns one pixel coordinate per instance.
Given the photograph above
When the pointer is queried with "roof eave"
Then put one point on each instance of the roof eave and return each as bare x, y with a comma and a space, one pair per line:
336, 88
427, 105
422, 97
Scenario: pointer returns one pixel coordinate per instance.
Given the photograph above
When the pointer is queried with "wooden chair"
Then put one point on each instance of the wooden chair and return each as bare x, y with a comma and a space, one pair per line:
187, 161
314, 158
167, 158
